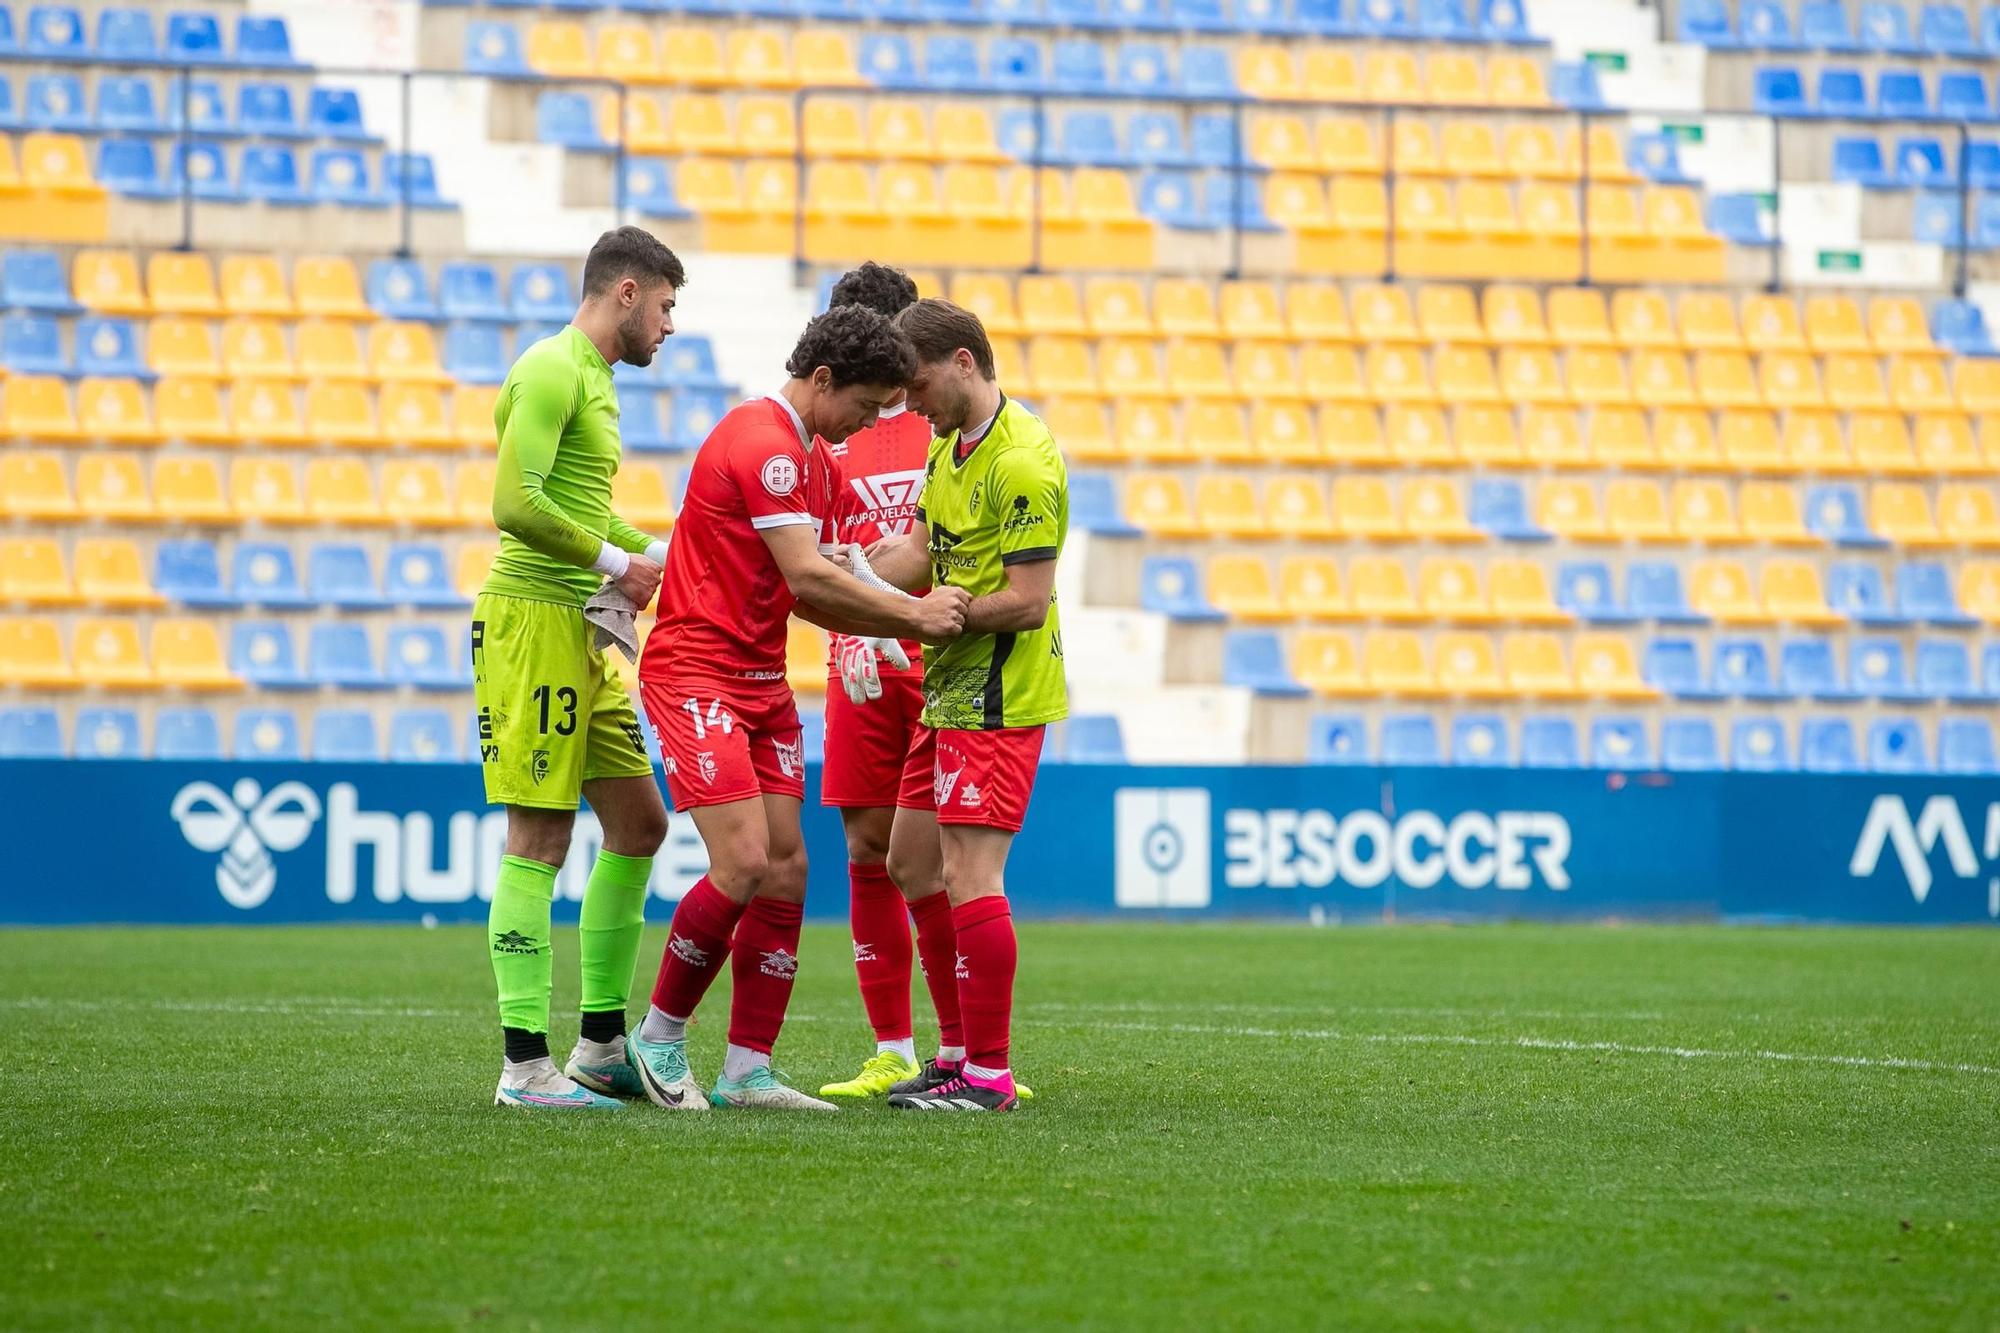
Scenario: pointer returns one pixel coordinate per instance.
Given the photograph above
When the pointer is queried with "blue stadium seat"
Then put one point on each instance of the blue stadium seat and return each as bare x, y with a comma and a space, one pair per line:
335, 113
1920, 164
10, 115
1823, 26
126, 34
55, 102
203, 170
951, 64
341, 655
422, 736
1087, 139
649, 190
1960, 326
1989, 29
1826, 745
475, 354
54, 32
1015, 130
35, 280
1740, 668
1255, 660
568, 121
127, 103
639, 418
1986, 222
1267, 17
271, 176
1549, 742
1014, 64
30, 733
951, 11
1336, 739
1965, 745
469, 289
1857, 591
1446, 21
1227, 208
263, 653
1834, 512
415, 574
108, 733
540, 292
1981, 163
32, 345
413, 174
1673, 667
1707, 23
1146, 15
130, 167
340, 176
419, 655
1389, 19
195, 39
1094, 506
693, 415
344, 735
1777, 90
1939, 219
1742, 219
266, 733
264, 574
1620, 743
1326, 18
1410, 738
1962, 95
1171, 585
494, 49
1900, 94
1653, 591
189, 572
1500, 506
1585, 589
109, 346
1207, 17
1206, 72
1145, 67
1943, 670
1574, 84
1896, 745
1807, 669
1924, 592
1989, 668
1767, 26
1689, 745
266, 109
1842, 92
1757, 745
1154, 139
1885, 28
200, 105
190, 734
1876, 668
1095, 738
264, 40
1656, 157
1860, 161
1944, 30
339, 574
1506, 21
1480, 740
687, 361
1168, 198
400, 289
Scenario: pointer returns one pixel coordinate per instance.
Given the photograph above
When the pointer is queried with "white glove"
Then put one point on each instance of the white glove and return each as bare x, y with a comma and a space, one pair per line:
857, 564
856, 660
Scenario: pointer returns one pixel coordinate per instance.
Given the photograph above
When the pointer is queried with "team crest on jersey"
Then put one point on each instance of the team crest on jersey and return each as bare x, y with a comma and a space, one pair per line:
790, 757
704, 764
891, 498
780, 475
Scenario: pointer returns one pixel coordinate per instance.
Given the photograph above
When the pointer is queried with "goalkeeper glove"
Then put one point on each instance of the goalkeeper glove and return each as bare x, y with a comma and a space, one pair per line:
856, 659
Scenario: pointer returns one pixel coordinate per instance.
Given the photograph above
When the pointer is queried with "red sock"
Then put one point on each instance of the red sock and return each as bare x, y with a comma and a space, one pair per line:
765, 960
881, 930
697, 942
937, 945
986, 956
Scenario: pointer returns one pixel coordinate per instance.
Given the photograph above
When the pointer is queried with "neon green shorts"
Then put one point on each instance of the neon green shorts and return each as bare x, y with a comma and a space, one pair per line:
552, 713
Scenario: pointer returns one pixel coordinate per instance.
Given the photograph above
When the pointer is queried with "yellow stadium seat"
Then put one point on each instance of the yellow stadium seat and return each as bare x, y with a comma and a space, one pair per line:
1771, 513
1833, 324
107, 281
1621, 438
1265, 369
1251, 309
1216, 431
475, 560
1311, 587
107, 654
1185, 308
1703, 512
1513, 316
32, 571
1050, 304
645, 128
1901, 512
1446, 313
1708, 322
329, 350
1296, 507
264, 489
1226, 506
965, 134
1749, 442
182, 283
1635, 509
1596, 376
1379, 588
1448, 588
1397, 375
1486, 211
638, 495
1553, 438
1010, 360
1079, 425
833, 129
31, 654
1813, 443
37, 407
1241, 585
1330, 75
57, 163
1721, 590
1486, 436
1331, 371
1467, 666
1061, 365
627, 53
1413, 149
1530, 375
1854, 384
1423, 210
1569, 510
191, 410
1115, 306
1390, 76
1530, 151
825, 59
693, 56
1685, 442
1418, 437
1881, 445
254, 285
1918, 384
327, 285
1351, 433
1362, 509
110, 572
1977, 383
1340, 144
413, 491
989, 296
1520, 592
1726, 379
1790, 381
1673, 216
1451, 79
112, 488
1945, 444
187, 490
1196, 367
1281, 139
1979, 589
1577, 318
340, 490
1470, 148
1394, 663
1771, 324
1534, 667
805, 657
1606, 668
1516, 81
1433, 511
1158, 502
413, 414
1317, 311
341, 413
187, 654
1793, 594
1324, 661
1550, 212
262, 411
114, 411
1267, 71
1384, 314
1967, 514
559, 49
1126, 366
182, 347
1660, 379
1897, 324
404, 350
1641, 319
472, 414
252, 349
1283, 432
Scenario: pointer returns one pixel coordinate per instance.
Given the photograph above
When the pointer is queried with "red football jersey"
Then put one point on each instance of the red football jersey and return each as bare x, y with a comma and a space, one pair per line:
876, 478
723, 601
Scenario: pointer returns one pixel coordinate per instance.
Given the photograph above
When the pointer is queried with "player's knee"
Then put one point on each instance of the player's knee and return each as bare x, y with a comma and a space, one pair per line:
638, 833
915, 878
866, 847
742, 871
542, 841
785, 877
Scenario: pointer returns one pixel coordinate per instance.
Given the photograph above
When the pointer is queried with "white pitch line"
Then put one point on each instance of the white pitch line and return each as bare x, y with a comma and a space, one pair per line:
1411, 1011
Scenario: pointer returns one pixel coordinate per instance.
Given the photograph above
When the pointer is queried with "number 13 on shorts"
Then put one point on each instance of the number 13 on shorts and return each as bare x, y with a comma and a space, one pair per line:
727, 746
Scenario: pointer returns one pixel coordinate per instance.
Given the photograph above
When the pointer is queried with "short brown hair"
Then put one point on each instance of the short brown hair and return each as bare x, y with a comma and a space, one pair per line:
630, 252
938, 328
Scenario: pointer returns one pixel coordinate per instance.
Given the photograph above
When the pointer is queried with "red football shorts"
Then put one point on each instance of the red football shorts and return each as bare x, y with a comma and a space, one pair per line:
866, 744
981, 778
726, 741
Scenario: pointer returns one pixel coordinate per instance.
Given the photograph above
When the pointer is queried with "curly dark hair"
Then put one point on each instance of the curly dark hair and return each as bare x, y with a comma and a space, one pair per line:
857, 345
882, 289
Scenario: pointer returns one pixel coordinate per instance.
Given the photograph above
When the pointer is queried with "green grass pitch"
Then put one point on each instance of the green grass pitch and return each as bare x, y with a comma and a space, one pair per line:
1239, 1127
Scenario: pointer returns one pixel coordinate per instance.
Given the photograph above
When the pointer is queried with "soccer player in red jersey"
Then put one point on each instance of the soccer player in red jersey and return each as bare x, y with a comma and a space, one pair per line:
872, 710
744, 553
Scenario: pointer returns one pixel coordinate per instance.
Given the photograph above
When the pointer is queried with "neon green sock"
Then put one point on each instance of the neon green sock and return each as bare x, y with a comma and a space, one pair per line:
613, 918
517, 930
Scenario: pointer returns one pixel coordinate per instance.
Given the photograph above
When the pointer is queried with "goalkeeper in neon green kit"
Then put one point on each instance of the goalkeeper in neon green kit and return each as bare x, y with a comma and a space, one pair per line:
555, 723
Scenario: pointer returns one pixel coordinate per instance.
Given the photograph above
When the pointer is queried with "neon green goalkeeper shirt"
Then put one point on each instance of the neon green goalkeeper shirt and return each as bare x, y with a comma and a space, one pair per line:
1005, 504
557, 421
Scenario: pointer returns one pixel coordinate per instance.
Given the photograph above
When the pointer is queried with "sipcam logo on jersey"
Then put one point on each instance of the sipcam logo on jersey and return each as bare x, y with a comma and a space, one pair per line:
246, 826
1889, 826
780, 475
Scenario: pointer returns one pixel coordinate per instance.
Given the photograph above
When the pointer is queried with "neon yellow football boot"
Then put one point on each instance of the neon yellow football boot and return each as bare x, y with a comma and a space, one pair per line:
878, 1072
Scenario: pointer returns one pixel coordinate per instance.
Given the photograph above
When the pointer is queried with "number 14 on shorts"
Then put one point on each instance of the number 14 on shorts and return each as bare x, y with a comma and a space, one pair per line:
716, 717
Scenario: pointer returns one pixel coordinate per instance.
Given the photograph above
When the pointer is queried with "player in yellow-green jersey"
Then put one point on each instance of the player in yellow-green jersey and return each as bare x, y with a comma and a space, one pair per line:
555, 723
991, 520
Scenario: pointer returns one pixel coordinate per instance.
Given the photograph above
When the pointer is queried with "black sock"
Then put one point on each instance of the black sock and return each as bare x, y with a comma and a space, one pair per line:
603, 1024
525, 1045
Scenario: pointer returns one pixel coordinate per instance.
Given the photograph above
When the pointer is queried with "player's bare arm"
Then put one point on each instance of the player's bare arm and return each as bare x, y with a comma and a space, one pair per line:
1021, 606
905, 558
850, 605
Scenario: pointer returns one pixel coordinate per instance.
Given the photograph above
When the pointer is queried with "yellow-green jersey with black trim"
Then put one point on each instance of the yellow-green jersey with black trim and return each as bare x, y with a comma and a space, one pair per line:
1006, 503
